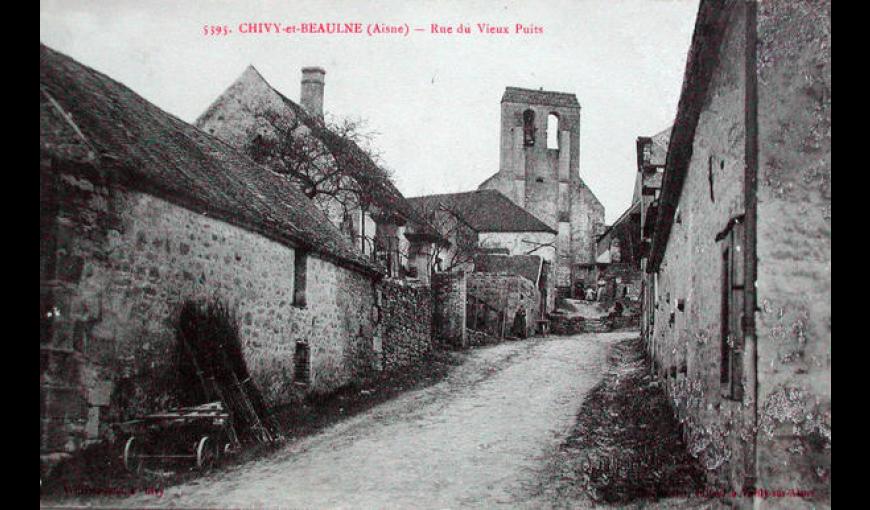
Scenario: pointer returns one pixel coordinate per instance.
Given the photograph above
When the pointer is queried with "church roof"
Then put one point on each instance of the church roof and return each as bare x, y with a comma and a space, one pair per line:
142, 148
541, 97
485, 210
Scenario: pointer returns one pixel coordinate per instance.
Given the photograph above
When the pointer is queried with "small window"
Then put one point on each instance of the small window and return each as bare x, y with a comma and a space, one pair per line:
529, 128
552, 131
300, 271
302, 363
539, 179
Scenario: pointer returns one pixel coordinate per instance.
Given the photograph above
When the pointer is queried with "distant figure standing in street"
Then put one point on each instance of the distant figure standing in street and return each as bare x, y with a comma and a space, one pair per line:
519, 326
590, 294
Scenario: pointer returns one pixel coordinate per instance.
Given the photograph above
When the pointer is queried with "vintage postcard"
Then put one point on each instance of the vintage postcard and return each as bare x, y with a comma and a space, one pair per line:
435, 254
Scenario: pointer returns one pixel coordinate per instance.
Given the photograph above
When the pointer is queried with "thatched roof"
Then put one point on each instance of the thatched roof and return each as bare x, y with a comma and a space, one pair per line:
87, 116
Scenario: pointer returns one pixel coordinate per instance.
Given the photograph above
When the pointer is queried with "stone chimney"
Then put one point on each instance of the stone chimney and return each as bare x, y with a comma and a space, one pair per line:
312, 91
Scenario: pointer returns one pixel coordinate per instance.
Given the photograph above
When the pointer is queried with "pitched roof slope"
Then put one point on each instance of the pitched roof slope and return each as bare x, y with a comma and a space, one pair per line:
528, 266
143, 148
541, 97
251, 107
485, 210
711, 25
660, 147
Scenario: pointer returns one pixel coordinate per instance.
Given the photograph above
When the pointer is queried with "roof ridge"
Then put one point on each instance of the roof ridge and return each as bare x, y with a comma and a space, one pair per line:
542, 90
454, 193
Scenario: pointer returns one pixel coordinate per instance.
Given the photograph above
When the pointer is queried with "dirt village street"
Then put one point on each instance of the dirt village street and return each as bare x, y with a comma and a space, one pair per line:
477, 439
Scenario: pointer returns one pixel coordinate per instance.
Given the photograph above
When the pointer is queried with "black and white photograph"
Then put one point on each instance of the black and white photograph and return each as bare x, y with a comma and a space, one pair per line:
435, 254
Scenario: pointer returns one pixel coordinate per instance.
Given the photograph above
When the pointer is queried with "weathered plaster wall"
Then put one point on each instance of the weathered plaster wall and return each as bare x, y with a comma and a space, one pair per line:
794, 245
124, 263
406, 323
793, 318
687, 343
521, 243
508, 293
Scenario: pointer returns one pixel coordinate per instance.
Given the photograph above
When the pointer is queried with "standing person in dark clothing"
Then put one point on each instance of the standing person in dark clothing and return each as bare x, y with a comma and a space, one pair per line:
519, 326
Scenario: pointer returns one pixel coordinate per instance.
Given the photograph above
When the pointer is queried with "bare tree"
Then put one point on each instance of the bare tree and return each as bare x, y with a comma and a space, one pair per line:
538, 245
463, 240
332, 163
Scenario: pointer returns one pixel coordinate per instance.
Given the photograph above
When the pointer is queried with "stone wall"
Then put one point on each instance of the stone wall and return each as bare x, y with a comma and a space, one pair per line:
448, 316
793, 321
509, 293
116, 267
686, 338
522, 243
793, 317
623, 284
406, 323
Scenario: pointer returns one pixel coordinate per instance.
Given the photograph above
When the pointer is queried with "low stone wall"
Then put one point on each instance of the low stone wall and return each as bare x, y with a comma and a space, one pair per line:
624, 322
563, 325
480, 338
406, 323
509, 293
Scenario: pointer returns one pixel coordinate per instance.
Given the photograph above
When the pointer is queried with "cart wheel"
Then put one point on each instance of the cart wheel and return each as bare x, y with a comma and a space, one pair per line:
132, 460
205, 453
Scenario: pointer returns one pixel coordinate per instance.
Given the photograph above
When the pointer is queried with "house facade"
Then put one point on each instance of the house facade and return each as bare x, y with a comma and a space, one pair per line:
652, 152
482, 221
293, 140
141, 214
617, 265
740, 255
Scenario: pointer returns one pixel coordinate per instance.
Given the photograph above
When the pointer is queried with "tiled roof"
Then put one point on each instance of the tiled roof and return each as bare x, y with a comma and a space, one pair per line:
528, 266
541, 97
251, 105
145, 149
485, 210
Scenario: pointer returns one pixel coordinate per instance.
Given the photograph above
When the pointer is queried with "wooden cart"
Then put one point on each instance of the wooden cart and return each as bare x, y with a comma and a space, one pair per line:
199, 434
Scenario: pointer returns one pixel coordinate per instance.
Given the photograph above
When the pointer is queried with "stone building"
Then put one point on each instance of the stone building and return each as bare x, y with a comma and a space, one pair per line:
539, 170
486, 220
500, 272
141, 213
354, 192
617, 265
741, 252
652, 152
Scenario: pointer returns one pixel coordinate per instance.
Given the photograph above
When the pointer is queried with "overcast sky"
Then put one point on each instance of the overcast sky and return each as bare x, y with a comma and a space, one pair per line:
432, 99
